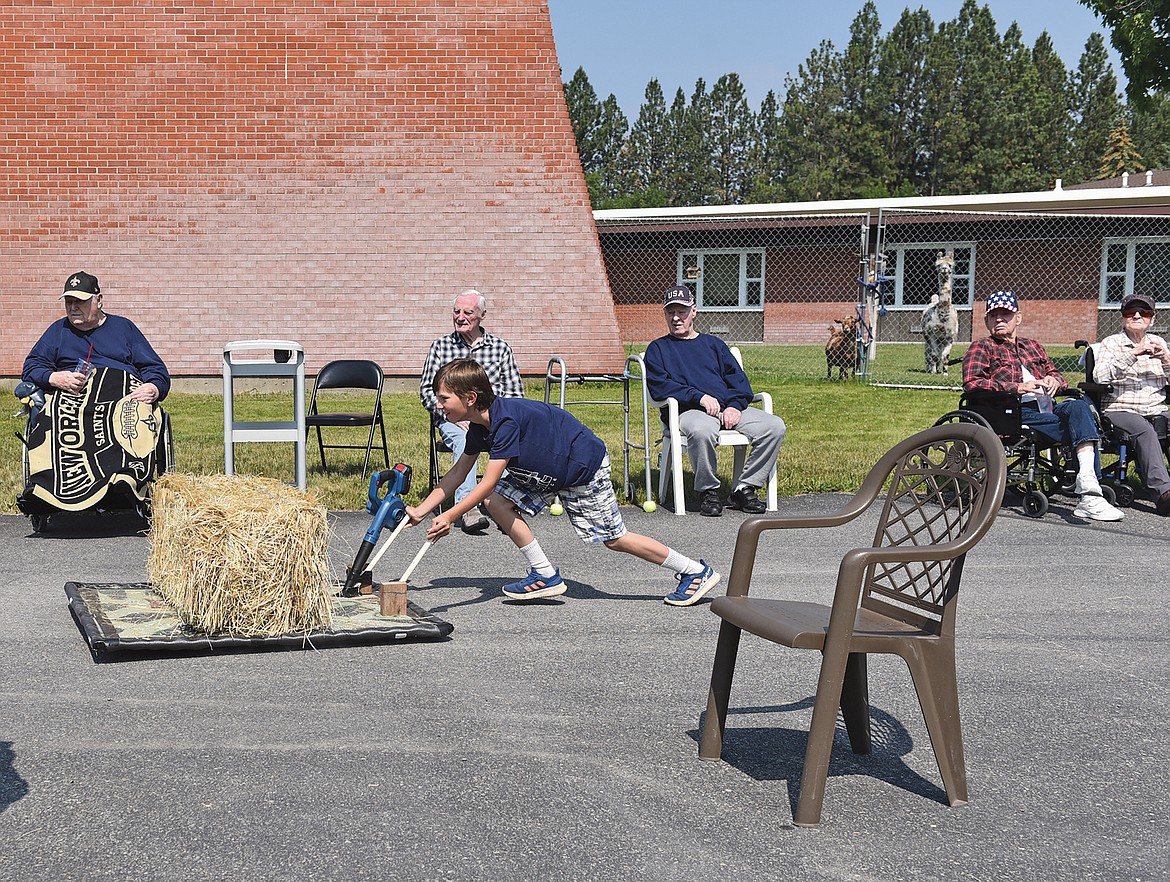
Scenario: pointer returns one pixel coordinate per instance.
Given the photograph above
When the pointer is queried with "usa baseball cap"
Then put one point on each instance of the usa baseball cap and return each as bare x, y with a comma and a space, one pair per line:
1003, 300
679, 294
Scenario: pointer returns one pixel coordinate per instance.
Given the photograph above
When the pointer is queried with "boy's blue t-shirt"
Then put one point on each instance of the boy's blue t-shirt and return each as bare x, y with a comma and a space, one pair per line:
547, 448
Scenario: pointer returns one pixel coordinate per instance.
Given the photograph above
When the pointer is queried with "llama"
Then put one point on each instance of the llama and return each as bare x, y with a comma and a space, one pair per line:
940, 320
841, 350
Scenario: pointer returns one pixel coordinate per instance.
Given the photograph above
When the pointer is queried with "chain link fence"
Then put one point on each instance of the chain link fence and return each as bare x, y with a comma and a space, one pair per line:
886, 298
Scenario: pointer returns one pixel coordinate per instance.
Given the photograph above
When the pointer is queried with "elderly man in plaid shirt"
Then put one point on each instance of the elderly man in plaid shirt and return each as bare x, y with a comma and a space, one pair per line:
468, 340
1006, 362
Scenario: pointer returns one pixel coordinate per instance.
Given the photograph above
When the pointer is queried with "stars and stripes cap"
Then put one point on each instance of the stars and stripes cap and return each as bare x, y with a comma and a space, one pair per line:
82, 286
1003, 300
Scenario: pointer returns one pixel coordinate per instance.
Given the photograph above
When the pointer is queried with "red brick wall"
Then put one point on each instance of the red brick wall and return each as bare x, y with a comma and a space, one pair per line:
329, 171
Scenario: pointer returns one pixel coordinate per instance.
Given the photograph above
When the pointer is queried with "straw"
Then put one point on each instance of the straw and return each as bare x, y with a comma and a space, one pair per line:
241, 556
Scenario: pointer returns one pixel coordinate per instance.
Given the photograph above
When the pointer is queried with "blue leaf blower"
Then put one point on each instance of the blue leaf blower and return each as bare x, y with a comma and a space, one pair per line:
385, 503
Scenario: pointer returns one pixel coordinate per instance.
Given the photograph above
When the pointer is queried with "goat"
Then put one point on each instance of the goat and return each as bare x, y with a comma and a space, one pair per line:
841, 350
940, 319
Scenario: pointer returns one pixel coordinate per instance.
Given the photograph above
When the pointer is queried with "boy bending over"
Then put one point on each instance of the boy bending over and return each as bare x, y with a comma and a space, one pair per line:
535, 452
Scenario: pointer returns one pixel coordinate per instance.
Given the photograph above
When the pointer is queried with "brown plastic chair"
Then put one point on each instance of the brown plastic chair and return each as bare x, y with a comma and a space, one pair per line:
945, 489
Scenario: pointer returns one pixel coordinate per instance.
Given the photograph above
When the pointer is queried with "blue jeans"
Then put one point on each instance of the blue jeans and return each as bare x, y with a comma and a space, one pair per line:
1071, 422
456, 439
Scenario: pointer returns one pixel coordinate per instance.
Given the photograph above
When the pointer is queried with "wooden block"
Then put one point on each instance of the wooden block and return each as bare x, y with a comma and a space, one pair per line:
392, 599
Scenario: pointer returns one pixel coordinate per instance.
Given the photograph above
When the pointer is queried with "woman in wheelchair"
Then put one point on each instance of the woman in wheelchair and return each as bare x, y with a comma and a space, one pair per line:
1135, 365
1007, 362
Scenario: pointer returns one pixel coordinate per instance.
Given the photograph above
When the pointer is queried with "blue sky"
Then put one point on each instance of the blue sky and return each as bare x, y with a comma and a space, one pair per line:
623, 44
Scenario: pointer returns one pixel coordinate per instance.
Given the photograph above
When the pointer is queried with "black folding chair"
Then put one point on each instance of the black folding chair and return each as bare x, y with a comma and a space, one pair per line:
349, 375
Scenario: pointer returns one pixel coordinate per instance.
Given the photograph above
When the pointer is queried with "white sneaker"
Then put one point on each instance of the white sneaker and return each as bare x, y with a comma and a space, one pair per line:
1095, 508
1087, 484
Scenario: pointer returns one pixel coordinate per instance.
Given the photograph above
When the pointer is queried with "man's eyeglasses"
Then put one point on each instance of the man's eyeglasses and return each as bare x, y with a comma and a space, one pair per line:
1144, 313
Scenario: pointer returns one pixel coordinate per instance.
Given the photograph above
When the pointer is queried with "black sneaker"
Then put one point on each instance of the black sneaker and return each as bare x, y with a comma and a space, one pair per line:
746, 500
709, 504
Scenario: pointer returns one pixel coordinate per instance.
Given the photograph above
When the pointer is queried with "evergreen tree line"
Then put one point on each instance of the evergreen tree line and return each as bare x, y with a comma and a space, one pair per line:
926, 109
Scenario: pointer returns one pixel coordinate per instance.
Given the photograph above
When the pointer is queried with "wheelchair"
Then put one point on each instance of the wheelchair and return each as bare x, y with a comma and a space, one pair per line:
96, 451
1115, 441
1038, 467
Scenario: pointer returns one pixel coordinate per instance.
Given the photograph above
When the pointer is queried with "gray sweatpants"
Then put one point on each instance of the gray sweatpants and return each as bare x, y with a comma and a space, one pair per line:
766, 432
1145, 450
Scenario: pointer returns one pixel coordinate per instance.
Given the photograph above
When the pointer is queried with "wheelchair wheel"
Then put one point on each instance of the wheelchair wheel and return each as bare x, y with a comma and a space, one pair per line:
39, 522
1110, 494
962, 416
1035, 504
164, 449
1123, 494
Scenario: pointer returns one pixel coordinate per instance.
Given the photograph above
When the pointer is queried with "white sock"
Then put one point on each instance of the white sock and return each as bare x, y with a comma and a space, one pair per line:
1085, 470
678, 563
535, 556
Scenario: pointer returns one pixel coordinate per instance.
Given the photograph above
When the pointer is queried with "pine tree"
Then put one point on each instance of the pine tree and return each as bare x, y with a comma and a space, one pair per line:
1095, 107
610, 179
1120, 154
767, 153
1050, 113
647, 158
585, 115
864, 164
811, 105
732, 126
969, 143
1016, 167
901, 85
691, 180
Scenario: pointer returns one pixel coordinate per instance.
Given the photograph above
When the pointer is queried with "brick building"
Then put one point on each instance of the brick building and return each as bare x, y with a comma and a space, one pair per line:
778, 275
329, 171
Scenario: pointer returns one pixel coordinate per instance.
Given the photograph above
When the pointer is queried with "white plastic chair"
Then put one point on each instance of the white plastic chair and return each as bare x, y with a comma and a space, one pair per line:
670, 461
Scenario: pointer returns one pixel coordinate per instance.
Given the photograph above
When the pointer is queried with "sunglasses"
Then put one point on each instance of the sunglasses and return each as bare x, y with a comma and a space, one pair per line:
1144, 313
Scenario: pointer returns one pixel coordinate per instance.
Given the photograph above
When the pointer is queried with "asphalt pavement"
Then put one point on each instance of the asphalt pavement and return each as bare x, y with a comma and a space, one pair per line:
558, 740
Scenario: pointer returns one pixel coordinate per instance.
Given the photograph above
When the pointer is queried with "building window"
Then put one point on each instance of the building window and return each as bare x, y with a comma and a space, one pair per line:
1135, 266
916, 279
724, 278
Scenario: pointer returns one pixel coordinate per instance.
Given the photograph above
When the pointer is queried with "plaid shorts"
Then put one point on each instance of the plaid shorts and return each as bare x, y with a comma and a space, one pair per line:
592, 508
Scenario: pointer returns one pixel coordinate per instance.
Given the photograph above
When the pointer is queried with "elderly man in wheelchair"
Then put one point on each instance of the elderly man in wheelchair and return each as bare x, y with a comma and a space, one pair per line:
1005, 362
94, 435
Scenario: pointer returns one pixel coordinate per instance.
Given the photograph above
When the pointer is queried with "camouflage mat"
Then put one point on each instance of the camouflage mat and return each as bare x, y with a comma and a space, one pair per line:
116, 617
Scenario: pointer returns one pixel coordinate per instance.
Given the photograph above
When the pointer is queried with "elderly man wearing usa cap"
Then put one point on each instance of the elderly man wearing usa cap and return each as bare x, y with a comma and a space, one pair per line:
713, 393
1007, 362
88, 337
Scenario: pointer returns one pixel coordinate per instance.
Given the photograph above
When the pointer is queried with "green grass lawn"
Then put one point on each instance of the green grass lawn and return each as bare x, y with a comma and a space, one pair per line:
836, 431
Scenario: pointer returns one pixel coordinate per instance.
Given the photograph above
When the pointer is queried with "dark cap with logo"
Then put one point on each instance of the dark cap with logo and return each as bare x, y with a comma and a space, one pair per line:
82, 286
679, 294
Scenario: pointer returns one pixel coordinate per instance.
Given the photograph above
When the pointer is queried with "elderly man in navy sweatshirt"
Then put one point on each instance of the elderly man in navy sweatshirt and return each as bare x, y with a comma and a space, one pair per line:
713, 393
89, 337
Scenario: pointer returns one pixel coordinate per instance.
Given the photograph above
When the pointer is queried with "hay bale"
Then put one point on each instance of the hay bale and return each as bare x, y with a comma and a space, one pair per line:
241, 556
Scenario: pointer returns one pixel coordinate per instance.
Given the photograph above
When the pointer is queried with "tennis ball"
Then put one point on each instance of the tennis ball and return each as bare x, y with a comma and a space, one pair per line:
649, 506
556, 509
